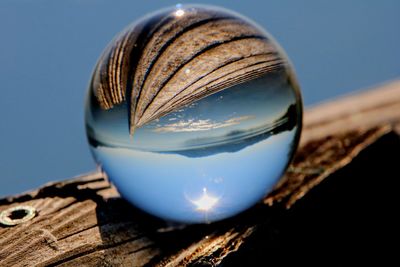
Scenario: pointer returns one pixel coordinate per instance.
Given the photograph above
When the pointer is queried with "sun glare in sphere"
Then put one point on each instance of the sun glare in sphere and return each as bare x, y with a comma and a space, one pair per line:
179, 13
206, 202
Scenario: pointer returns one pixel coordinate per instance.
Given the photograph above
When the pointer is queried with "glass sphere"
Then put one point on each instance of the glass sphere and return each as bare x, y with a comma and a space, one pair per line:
194, 113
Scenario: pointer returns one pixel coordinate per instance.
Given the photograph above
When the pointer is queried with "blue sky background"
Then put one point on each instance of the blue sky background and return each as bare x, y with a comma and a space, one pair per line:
48, 49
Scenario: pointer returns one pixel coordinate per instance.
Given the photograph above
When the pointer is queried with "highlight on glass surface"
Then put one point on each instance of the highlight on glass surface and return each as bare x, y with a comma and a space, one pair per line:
194, 113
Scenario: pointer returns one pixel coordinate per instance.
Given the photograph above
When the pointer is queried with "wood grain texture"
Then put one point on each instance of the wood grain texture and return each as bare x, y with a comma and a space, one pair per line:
365, 109
84, 222
169, 60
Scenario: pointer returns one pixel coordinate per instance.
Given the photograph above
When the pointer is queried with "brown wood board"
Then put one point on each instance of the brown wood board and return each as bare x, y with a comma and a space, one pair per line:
341, 181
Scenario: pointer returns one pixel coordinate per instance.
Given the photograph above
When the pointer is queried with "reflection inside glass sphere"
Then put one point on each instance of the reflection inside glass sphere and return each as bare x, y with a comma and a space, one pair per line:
202, 132
205, 202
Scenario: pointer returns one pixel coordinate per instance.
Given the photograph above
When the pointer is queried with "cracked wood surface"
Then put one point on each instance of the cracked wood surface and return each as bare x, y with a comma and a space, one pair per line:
83, 222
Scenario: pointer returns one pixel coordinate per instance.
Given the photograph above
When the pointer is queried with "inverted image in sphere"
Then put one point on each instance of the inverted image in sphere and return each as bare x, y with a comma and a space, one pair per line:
194, 113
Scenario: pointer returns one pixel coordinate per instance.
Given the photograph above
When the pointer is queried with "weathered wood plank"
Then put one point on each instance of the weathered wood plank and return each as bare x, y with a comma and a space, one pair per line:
83, 222
361, 110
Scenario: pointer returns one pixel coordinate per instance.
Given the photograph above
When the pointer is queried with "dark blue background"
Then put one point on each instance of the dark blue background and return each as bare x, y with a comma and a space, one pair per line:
48, 50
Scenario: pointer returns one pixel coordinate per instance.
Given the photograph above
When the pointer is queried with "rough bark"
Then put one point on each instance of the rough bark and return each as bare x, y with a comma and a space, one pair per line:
340, 182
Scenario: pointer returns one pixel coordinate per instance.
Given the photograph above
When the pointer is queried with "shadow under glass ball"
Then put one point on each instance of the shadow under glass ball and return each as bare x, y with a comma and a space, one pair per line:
194, 113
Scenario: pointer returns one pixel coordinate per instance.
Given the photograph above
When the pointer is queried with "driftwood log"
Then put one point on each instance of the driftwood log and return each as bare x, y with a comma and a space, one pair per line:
337, 203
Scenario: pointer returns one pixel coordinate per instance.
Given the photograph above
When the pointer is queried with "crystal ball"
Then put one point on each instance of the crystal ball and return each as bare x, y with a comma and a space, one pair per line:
194, 113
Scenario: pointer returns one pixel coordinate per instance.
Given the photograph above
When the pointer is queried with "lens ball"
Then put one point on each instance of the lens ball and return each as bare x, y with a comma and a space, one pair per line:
194, 113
